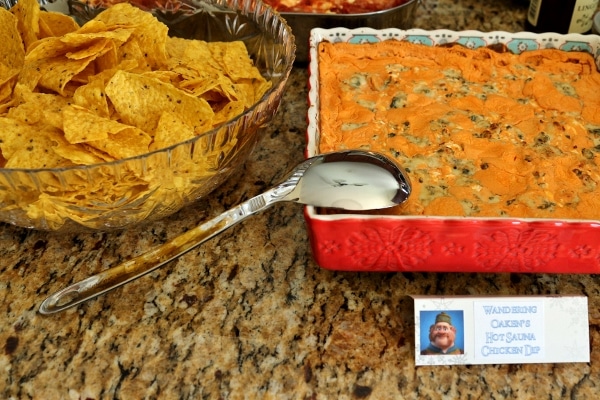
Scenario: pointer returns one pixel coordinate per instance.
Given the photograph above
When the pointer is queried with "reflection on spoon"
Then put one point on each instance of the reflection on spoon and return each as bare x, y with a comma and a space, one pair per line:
350, 180
351, 185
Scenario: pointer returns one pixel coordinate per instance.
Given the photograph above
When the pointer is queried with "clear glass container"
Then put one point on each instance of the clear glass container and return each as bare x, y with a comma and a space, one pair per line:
159, 183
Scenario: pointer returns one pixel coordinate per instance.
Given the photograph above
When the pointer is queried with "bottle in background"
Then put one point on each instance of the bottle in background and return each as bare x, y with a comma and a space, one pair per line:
561, 16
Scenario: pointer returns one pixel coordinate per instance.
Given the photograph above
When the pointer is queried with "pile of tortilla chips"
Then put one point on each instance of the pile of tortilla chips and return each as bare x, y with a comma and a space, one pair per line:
115, 88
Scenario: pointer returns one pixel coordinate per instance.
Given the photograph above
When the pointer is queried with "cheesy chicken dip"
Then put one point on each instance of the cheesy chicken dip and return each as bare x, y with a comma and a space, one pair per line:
481, 132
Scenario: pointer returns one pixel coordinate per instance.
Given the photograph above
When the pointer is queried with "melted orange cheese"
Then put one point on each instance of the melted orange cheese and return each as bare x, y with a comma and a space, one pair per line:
480, 132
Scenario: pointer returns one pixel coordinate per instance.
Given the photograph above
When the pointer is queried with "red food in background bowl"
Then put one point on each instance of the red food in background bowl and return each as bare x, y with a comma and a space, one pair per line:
334, 6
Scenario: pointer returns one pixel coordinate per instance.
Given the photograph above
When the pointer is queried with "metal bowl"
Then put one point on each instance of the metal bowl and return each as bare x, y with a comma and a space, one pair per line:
401, 17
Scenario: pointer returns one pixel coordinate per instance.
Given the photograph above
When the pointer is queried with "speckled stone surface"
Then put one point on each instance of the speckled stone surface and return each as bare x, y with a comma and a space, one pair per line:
249, 314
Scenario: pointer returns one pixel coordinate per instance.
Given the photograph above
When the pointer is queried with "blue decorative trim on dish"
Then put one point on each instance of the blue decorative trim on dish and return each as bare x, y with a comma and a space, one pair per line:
363, 38
420, 39
519, 45
471, 42
576, 46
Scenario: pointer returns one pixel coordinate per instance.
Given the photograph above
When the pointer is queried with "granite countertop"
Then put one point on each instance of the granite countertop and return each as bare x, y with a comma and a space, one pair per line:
249, 314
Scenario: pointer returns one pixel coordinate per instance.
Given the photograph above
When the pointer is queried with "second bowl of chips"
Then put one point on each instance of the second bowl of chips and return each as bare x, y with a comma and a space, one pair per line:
130, 118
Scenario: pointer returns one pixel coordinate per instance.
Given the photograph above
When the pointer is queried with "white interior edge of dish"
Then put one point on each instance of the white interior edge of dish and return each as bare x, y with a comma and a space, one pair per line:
520, 41
510, 220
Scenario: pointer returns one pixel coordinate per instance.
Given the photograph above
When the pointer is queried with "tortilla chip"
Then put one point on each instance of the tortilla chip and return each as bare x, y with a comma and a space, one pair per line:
140, 101
28, 17
56, 24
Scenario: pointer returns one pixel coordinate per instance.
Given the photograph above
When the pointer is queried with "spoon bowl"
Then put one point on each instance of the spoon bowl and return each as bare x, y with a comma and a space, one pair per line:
350, 180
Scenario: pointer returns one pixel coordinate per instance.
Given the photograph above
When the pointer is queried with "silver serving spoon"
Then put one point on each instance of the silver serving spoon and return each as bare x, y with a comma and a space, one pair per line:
350, 180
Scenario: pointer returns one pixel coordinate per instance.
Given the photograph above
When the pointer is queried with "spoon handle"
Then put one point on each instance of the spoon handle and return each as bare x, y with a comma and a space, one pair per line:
136, 267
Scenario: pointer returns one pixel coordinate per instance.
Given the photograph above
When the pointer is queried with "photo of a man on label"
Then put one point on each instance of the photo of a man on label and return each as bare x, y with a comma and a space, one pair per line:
442, 337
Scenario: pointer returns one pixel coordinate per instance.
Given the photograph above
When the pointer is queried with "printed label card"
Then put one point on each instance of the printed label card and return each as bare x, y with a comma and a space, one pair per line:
501, 330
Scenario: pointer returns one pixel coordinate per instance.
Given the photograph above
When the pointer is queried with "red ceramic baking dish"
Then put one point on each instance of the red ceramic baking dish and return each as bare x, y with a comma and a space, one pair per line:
360, 242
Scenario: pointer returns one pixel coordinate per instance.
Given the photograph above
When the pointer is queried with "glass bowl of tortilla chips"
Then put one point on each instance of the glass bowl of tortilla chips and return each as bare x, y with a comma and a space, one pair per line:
130, 115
